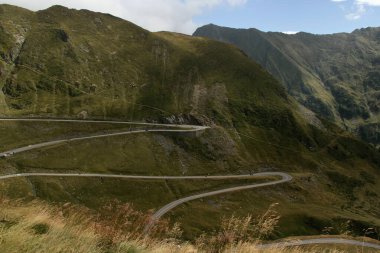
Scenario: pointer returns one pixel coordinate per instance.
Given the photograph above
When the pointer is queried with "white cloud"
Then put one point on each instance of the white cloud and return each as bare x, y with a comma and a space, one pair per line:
154, 15
359, 11
290, 32
368, 2
360, 8
236, 2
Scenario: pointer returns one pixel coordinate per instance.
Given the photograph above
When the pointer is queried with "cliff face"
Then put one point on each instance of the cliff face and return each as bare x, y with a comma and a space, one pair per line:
336, 76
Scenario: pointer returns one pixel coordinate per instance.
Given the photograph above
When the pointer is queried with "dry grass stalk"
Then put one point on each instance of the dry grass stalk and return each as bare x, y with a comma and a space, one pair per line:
37, 227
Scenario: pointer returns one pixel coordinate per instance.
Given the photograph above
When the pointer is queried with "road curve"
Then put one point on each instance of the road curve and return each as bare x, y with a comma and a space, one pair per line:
165, 128
100, 175
163, 210
302, 242
97, 121
156, 216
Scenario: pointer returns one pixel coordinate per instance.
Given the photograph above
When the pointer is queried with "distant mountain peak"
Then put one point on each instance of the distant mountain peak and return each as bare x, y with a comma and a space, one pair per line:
334, 75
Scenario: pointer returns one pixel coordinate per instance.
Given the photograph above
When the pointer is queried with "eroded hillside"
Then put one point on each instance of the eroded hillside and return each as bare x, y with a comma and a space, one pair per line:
336, 76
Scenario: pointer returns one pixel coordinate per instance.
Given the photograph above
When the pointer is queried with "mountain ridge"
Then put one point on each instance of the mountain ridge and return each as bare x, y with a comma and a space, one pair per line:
357, 30
334, 75
62, 63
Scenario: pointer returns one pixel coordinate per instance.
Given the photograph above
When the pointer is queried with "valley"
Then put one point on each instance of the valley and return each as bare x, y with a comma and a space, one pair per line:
95, 110
162, 211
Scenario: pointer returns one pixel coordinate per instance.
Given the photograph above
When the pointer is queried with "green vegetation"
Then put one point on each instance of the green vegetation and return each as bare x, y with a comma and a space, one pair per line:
336, 76
15, 134
37, 227
345, 184
40, 228
77, 64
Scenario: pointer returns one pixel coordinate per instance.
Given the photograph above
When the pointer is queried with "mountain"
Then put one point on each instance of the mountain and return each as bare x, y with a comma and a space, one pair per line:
336, 76
65, 63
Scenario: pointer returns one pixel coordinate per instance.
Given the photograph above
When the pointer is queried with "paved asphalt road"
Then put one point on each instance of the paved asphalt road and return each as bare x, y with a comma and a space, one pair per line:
284, 178
156, 216
320, 241
182, 129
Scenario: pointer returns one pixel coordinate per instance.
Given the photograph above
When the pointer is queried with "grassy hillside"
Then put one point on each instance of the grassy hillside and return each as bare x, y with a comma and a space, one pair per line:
79, 64
336, 76
38, 227
67, 62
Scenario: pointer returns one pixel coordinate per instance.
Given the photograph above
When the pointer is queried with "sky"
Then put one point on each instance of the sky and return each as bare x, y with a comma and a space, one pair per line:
184, 16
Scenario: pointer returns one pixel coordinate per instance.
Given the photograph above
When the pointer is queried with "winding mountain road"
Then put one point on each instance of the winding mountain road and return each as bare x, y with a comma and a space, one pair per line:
302, 242
157, 215
163, 210
164, 128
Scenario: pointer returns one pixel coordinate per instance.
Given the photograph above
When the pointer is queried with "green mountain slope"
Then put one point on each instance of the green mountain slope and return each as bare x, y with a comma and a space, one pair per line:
336, 76
67, 63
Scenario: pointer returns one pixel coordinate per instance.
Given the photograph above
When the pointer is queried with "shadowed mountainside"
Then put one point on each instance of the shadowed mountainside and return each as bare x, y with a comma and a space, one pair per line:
68, 63
336, 76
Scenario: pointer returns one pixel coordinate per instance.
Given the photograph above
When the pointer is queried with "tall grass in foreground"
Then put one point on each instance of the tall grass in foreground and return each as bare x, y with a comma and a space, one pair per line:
36, 227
